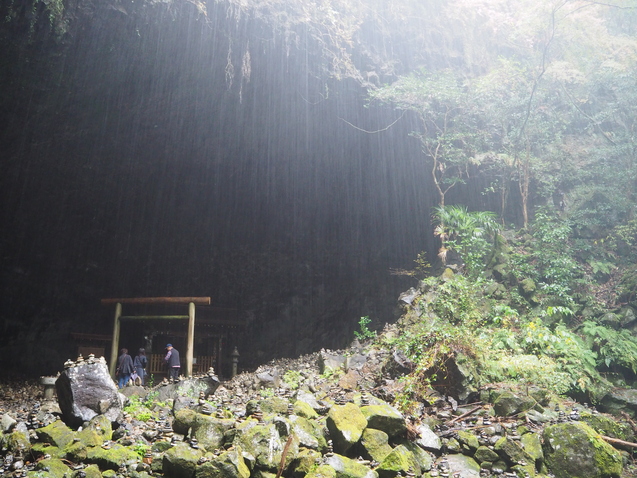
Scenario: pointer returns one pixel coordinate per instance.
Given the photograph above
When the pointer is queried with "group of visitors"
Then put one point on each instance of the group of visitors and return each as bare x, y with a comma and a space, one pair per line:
135, 370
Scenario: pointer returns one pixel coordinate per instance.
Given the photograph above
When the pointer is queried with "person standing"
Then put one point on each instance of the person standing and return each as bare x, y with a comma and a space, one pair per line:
172, 361
140, 365
124, 368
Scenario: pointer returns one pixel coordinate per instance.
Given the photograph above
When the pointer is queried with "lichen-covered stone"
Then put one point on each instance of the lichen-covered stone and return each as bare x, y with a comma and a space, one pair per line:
607, 426
511, 452
485, 454
620, 400
509, 403
210, 431
309, 433
185, 419
322, 471
575, 450
348, 468
400, 460
16, 442
76, 452
304, 462
274, 405
305, 410
57, 433
229, 464
263, 443
374, 444
424, 458
50, 468
181, 460
92, 471
346, 424
533, 446
386, 418
427, 439
468, 441
41, 449
112, 458
465, 465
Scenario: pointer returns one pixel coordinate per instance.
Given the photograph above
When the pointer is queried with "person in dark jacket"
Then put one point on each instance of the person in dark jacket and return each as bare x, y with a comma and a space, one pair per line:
172, 361
124, 368
140, 363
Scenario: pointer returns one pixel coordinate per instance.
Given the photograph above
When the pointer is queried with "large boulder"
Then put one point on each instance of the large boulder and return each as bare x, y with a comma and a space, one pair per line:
263, 443
575, 450
386, 418
346, 424
180, 461
190, 387
374, 444
348, 468
399, 461
229, 464
620, 400
85, 391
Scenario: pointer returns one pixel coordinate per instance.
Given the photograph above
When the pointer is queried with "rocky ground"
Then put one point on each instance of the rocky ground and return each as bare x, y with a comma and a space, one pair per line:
324, 415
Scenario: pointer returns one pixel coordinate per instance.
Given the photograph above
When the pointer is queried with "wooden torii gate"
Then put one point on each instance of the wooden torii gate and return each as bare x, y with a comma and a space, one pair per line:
190, 301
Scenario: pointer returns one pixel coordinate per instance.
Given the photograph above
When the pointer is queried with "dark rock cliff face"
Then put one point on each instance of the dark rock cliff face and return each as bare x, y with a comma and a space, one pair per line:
152, 150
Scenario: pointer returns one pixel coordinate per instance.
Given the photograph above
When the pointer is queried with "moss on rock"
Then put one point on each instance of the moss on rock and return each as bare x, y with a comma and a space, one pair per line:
374, 444
181, 460
386, 418
56, 433
110, 458
575, 450
346, 424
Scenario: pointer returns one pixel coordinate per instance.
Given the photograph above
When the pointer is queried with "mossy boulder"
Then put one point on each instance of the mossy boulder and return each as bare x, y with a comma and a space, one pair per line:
210, 431
309, 433
41, 449
76, 451
346, 424
512, 452
181, 460
97, 432
508, 403
305, 461
322, 471
620, 400
374, 444
50, 468
92, 471
57, 433
424, 458
274, 406
532, 445
348, 468
386, 418
575, 450
485, 454
605, 425
110, 458
263, 443
184, 420
468, 441
466, 466
16, 442
399, 461
305, 410
527, 287
229, 464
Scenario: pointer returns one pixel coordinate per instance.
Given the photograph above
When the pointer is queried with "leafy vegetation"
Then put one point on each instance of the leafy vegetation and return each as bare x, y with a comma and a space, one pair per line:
363, 333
